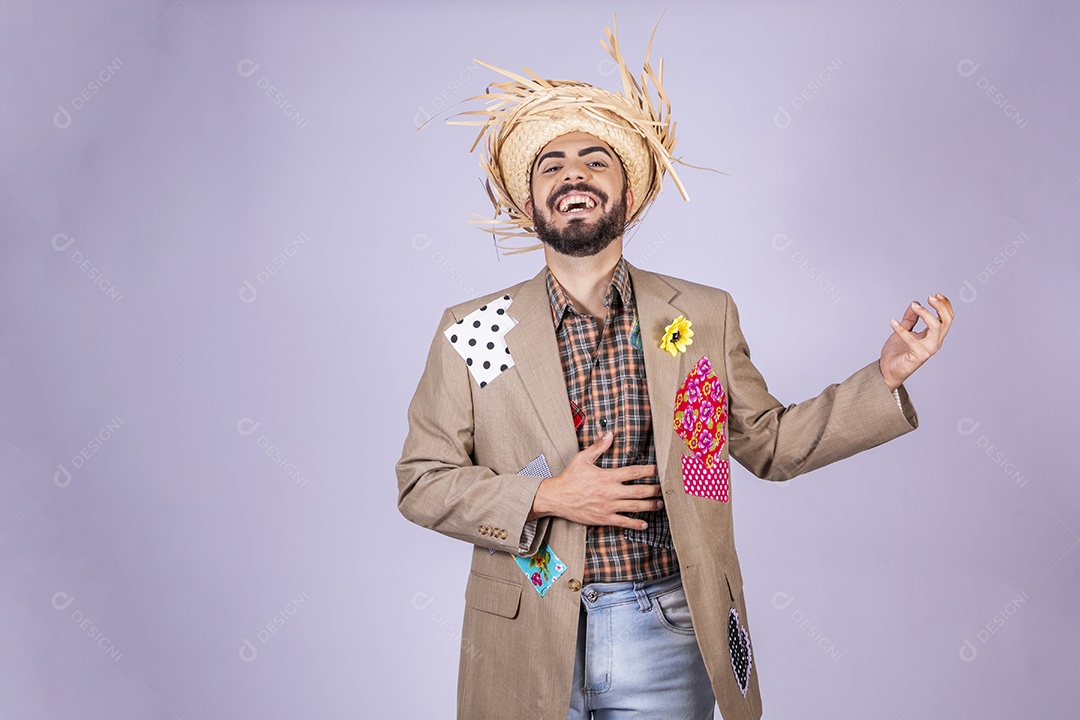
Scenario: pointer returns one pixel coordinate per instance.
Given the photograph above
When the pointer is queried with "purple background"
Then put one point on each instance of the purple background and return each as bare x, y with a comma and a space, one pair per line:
195, 270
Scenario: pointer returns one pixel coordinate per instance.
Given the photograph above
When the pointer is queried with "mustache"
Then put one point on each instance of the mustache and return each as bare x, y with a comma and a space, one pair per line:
580, 187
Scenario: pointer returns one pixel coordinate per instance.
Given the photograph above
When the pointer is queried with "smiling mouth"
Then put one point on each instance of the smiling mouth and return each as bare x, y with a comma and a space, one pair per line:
575, 203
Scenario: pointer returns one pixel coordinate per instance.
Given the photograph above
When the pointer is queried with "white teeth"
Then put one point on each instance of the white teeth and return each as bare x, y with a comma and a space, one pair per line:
578, 203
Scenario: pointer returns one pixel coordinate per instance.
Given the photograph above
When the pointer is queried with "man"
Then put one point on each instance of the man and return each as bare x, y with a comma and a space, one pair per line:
576, 430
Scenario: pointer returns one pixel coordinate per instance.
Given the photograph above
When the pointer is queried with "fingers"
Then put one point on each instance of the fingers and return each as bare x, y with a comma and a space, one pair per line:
914, 312
617, 519
644, 490
623, 521
911, 340
911, 316
945, 303
941, 323
639, 506
628, 472
944, 310
625, 497
940, 303
612, 492
936, 326
633, 472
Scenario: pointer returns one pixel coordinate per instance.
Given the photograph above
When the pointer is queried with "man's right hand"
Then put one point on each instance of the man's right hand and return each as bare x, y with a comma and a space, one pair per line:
591, 495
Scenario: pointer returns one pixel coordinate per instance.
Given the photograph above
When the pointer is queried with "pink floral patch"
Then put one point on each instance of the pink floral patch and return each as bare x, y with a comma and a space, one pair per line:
701, 420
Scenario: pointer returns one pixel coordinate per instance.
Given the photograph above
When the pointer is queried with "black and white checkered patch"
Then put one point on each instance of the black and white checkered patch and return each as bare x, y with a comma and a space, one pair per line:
537, 468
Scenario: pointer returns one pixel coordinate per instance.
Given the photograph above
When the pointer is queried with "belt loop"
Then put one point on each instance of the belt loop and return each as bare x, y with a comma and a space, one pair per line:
643, 600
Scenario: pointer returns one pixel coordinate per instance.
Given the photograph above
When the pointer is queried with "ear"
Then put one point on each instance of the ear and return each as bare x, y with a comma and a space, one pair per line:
529, 207
629, 202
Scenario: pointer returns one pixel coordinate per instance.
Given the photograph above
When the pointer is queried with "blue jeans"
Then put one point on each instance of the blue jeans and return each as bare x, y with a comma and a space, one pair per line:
637, 655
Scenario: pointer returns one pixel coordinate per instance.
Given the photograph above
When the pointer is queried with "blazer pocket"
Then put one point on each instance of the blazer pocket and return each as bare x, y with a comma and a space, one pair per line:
731, 590
492, 595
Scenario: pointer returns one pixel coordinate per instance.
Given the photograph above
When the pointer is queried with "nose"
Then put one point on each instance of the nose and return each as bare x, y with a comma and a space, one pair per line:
575, 171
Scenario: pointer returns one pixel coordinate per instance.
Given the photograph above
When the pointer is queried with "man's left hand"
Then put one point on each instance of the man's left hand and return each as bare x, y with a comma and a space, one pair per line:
905, 351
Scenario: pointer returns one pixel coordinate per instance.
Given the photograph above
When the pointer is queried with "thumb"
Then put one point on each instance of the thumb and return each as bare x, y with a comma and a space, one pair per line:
598, 448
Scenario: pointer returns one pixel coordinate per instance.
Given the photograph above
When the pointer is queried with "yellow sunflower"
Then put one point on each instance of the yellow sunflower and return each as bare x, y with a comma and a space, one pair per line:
677, 336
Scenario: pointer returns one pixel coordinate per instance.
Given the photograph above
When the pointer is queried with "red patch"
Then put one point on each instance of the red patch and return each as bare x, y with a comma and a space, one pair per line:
578, 415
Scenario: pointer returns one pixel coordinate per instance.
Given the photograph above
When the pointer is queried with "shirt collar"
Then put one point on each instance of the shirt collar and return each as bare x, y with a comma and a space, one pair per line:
620, 293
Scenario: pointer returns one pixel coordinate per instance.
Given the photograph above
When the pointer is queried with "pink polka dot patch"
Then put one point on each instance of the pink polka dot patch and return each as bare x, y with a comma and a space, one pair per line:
705, 482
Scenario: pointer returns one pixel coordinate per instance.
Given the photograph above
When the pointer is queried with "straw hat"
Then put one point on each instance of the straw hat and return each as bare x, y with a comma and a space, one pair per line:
526, 113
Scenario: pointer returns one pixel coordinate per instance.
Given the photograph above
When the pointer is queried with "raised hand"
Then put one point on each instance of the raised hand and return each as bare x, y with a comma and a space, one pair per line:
905, 351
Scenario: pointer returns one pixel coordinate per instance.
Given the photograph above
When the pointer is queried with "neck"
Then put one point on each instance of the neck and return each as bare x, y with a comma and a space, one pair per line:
586, 279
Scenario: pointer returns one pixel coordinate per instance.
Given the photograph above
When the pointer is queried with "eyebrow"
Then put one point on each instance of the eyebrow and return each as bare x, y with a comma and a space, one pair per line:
581, 153
594, 148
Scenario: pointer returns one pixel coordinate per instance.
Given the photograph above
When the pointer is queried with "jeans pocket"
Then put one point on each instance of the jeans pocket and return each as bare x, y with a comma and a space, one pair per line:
673, 611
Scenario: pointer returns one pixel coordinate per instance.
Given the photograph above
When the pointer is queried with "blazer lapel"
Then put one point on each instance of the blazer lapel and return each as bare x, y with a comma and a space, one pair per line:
654, 299
535, 350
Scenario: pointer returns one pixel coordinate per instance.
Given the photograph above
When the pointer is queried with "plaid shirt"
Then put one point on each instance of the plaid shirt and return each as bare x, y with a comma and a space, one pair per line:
605, 380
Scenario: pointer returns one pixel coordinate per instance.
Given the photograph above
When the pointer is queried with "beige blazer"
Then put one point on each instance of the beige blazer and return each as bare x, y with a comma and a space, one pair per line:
457, 476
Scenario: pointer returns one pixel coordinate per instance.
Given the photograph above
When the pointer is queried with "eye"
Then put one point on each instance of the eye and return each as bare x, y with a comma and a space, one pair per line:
550, 168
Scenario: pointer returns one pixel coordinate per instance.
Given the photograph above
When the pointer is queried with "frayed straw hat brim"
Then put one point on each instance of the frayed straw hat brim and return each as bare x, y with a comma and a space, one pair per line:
524, 114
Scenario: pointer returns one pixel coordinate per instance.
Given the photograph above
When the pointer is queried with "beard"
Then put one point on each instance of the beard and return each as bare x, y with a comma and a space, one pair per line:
578, 238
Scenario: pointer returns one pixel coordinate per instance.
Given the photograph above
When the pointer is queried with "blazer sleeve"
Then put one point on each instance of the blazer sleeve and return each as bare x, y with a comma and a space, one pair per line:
439, 486
777, 443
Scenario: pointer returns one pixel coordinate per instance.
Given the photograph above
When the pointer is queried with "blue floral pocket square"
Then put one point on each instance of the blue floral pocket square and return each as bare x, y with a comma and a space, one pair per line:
542, 569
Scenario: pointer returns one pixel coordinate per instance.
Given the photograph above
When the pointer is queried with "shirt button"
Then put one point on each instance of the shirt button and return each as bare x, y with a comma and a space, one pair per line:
574, 585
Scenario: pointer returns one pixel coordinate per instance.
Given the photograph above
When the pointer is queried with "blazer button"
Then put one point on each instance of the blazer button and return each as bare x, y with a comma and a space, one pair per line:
502, 534
574, 585
482, 530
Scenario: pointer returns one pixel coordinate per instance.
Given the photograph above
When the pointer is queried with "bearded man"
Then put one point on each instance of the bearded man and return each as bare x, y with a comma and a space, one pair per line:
576, 429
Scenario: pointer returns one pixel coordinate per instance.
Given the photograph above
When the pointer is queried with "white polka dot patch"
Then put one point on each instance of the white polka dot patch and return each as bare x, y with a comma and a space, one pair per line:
705, 482
480, 339
739, 648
